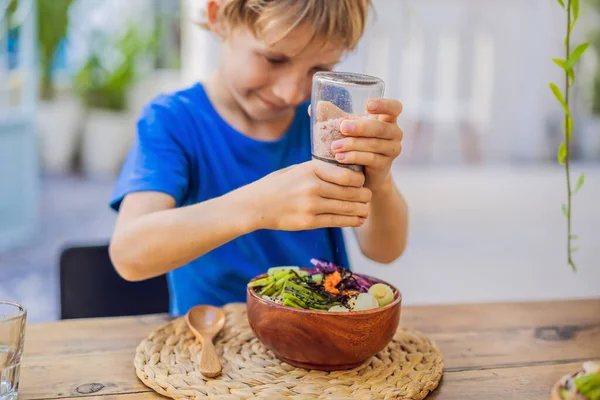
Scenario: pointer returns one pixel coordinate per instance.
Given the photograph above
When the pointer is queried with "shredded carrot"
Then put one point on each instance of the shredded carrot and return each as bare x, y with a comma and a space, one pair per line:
331, 281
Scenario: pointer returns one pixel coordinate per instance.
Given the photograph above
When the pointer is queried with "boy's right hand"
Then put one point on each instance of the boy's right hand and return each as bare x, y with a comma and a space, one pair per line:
311, 195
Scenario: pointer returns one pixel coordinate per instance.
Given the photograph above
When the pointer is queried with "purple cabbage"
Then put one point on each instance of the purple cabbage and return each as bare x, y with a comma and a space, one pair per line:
349, 281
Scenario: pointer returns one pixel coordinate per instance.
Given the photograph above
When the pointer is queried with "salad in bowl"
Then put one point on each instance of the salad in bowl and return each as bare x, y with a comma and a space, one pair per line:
582, 385
327, 287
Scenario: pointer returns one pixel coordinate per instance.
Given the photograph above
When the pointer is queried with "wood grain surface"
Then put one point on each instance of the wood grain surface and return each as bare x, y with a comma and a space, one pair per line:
491, 351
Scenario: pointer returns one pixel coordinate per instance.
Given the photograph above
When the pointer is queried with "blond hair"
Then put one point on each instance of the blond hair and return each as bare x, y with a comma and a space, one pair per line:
337, 20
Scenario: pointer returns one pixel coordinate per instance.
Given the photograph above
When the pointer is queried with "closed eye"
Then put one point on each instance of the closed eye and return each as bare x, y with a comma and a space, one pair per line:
275, 61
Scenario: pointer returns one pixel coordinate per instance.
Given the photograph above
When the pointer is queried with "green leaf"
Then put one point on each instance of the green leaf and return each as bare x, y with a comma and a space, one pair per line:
560, 62
568, 127
557, 92
574, 249
562, 3
559, 97
575, 8
579, 183
571, 73
575, 55
574, 237
571, 77
562, 153
564, 210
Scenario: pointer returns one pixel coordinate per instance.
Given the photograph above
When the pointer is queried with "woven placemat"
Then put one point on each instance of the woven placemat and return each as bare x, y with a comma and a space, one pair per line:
167, 361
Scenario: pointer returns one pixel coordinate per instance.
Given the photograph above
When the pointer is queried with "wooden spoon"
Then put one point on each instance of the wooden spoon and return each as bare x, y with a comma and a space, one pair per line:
206, 322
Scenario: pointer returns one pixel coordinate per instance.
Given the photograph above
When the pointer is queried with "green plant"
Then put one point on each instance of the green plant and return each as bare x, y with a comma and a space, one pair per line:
52, 24
104, 80
571, 58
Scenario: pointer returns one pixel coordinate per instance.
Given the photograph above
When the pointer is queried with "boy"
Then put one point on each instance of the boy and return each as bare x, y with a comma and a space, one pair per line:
219, 184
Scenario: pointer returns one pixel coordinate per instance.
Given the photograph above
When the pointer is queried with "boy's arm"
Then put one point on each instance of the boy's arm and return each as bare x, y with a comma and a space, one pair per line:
384, 235
152, 237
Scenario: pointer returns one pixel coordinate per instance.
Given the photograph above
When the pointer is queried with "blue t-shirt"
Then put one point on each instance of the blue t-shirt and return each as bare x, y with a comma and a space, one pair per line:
185, 149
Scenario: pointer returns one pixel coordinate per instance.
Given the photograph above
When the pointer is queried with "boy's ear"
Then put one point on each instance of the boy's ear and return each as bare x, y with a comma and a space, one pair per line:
216, 24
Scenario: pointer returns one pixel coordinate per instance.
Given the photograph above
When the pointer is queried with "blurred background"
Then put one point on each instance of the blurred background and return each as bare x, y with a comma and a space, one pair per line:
478, 169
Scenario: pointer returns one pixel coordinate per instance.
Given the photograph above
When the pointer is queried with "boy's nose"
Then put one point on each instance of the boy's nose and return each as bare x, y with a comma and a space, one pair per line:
292, 91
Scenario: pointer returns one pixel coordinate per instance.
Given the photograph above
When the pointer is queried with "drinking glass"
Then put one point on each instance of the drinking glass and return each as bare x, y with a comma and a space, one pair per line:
12, 332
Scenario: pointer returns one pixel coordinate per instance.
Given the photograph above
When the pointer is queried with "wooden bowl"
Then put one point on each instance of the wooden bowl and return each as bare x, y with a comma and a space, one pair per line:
322, 340
555, 394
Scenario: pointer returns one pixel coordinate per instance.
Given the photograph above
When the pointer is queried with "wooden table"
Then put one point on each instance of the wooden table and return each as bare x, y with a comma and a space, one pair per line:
491, 351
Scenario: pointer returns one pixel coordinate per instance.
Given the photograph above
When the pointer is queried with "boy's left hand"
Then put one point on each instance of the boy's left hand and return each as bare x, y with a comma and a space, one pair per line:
374, 143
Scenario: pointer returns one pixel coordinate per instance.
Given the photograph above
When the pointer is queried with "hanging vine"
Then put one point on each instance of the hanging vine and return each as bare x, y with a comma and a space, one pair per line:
571, 58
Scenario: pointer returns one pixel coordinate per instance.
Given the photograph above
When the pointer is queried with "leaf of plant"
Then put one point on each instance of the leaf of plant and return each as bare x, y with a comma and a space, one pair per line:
574, 249
575, 8
575, 55
571, 73
562, 3
574, 237
571, 76
579, 183
560, 62
562, 153
559, 97
564, 210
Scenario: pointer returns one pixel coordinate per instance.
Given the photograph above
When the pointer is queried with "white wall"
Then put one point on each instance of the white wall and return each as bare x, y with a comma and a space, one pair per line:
494, 233
483, 61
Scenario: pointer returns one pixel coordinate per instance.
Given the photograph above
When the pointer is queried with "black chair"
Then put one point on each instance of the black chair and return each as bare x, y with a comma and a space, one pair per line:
90, 287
